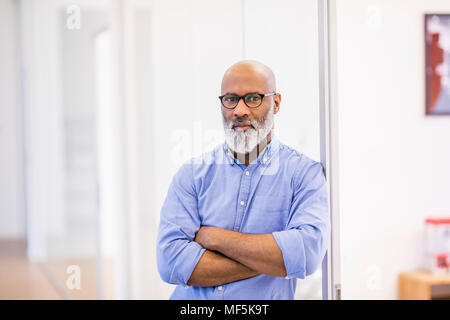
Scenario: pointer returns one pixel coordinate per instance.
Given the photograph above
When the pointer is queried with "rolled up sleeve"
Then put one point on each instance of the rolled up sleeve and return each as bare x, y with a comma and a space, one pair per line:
177, 252
304, 241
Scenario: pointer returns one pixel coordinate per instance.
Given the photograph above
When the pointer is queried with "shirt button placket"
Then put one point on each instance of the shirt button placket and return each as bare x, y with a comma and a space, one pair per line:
219, 292
243, 196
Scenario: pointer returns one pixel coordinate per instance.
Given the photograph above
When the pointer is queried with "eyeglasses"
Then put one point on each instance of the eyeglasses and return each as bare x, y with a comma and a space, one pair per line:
251, 100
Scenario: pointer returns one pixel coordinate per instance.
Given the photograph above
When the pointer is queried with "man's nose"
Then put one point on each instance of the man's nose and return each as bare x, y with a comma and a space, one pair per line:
241, 109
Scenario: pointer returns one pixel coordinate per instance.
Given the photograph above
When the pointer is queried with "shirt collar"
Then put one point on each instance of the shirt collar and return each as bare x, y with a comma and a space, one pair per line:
263, 158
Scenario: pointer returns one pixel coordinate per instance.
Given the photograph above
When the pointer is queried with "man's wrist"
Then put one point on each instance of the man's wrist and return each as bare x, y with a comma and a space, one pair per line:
216, 239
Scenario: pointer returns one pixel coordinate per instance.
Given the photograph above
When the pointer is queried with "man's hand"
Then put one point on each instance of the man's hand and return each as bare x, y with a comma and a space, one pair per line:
258, 252
206, 236
215, 269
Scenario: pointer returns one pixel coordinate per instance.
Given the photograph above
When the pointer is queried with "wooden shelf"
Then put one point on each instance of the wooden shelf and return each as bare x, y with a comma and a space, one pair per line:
422, 285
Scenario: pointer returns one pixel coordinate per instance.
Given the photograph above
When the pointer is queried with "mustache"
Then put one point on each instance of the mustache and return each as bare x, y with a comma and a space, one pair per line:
231, 124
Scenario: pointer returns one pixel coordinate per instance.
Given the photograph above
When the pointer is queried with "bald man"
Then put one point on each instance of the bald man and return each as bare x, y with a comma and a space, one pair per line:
249, 221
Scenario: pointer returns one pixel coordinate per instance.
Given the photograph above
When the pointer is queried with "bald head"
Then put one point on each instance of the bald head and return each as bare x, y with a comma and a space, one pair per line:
248, 76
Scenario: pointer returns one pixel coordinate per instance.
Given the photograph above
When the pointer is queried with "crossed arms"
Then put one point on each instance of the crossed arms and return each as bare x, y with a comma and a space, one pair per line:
189, 253
233, 256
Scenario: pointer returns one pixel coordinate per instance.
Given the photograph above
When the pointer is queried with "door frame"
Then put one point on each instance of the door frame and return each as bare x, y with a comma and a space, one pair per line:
329, 147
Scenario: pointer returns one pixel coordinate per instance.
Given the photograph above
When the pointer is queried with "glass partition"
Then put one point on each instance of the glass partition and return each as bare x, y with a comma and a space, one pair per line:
126, 92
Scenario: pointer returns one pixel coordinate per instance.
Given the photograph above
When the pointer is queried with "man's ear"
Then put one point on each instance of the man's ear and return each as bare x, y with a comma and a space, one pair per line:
277, 103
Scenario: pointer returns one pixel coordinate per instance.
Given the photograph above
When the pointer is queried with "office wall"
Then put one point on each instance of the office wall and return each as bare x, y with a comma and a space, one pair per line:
394, 161
12, 216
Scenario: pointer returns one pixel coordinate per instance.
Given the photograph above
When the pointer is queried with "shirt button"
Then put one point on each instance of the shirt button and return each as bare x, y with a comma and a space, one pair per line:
219, 288
242, 203
287, 277
247, 173
264, 160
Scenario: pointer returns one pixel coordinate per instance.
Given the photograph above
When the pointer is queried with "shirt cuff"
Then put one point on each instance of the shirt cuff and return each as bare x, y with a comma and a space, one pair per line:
188, 260
291, 245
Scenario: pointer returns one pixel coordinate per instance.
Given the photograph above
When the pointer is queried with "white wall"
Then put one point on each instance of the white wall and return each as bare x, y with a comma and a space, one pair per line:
394, 161
12, 216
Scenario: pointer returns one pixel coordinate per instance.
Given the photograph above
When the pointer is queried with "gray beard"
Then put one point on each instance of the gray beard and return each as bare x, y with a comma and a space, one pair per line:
244, 142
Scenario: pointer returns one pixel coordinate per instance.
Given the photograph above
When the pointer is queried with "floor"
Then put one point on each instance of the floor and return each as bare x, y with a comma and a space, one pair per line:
88, 277
20, 279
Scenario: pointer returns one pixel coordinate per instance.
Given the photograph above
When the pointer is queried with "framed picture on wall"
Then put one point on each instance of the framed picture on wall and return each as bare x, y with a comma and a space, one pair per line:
437, 44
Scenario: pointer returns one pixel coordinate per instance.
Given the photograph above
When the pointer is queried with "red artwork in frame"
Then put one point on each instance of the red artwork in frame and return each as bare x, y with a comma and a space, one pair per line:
437, 43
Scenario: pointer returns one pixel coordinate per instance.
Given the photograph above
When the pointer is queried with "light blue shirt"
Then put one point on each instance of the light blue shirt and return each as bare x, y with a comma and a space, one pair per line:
282, 192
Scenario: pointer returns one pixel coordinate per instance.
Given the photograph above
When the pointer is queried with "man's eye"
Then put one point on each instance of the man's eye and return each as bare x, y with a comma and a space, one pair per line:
253, 98
230, 99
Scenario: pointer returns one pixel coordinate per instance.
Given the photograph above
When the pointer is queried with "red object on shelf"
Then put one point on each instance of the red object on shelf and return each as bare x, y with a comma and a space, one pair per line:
441, 261
438, 220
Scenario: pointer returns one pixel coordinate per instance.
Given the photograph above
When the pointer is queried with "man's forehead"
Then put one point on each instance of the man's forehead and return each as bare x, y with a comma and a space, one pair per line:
243, 86
244, 81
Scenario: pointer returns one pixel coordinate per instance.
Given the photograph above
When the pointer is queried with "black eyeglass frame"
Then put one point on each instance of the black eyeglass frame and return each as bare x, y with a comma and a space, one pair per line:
243, 97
